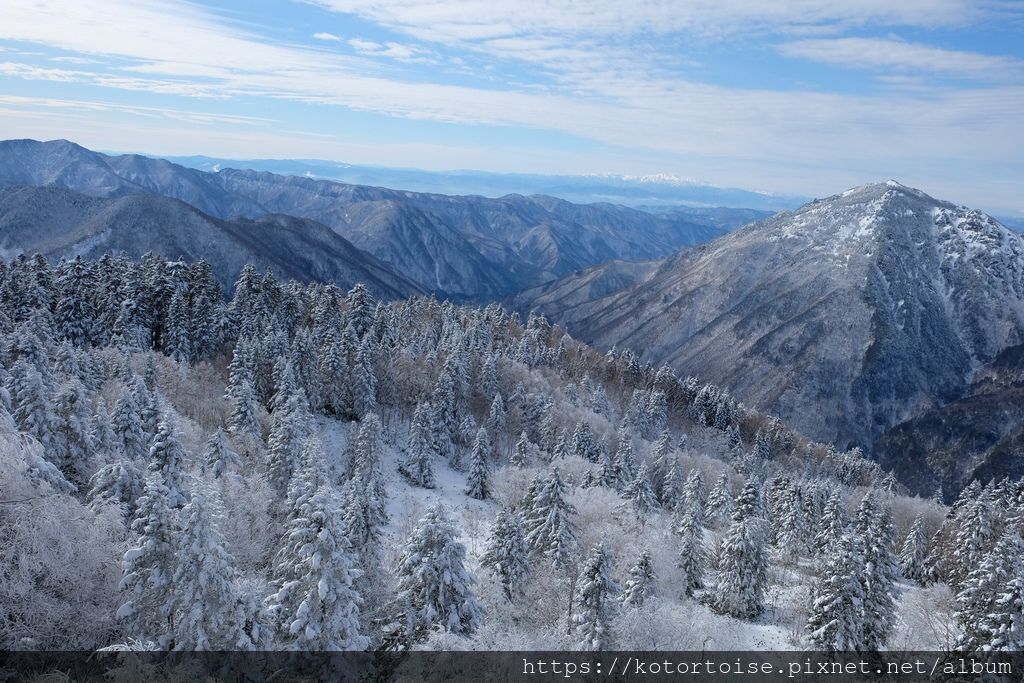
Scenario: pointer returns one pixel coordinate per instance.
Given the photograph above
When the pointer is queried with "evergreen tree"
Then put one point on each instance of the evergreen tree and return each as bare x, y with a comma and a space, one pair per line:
126, 421
584, 443
364, 382
167, 457
72, 447
118, 483
521, 453
284, 446
692, 556
640, 495
148, 564
832, 524
640, 583
911, 558
506, 553
552, 532
972, 541
1005, 623
203, 602
435, 589
497, 417
836, 622
595, 598
219, 457
720, 499
743, 560
694, 496
30, 405
316, 606
477, 483
418, 467
981, 603
874, 524
242, 419
624, 466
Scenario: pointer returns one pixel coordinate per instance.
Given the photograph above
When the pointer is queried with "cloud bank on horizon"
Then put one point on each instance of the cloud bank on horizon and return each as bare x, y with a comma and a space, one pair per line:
801, 96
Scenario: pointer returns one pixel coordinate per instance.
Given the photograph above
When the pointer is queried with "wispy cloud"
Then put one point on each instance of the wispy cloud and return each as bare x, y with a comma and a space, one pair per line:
322, 35
889, 53
393, 50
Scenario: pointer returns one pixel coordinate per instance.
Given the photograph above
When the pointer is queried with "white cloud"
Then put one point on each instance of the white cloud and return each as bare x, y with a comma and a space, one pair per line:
392, 50
889, 53
323, 35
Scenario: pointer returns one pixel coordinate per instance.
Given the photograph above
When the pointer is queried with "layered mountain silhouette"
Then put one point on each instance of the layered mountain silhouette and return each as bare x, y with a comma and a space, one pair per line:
463, 247
844, 317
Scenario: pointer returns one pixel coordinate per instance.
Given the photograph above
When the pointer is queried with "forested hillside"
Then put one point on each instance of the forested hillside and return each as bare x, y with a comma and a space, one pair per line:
303, 468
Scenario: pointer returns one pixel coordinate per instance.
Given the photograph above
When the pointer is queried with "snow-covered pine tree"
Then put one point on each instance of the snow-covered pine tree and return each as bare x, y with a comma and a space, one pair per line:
478, 481
148, 564
874, 524
30, 405
1005, 622
72, 447
242, 419
584, 443
126, 421
203, 604
316, 606
595, 599
743, 560
791, 535
660, 466
552, 532
720, 499
418, 466
695, 497
364, 381
973, 539
497, 417
836, 621
521, 453
624, 464
639, 495
506, 554
285, 443
434, 586
640, 584
981, 619
167, 457
219, 458
117, 483
831, 527
913, 552
692, 558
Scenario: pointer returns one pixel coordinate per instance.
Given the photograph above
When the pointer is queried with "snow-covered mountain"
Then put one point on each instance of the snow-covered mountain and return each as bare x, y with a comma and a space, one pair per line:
58, 222
457, 246
844, 317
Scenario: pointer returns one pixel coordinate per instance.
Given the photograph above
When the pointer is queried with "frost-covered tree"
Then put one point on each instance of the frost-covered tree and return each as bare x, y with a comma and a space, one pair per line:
981, 617
204, 606
148, 565
167, 457
874, 524
552, 531
285, 443
243, 417
506, 555
434, 586
71, 444
219, 458
913, 552
695, 497
692, 558
418, 466
316, 606
640, 584
639, 494
743, 560
836, 621
595, 599
831, 527
720, 500
364, 381
126, 421
117, 483
973, 539
478, 481
584, 443
522, 451
624, 464
30, 405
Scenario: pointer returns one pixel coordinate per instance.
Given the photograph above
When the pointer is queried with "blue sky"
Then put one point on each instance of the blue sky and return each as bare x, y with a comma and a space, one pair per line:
796, 96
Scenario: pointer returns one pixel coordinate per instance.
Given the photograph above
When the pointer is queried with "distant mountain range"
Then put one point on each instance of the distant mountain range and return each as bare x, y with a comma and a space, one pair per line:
845, 317
635, 191
58, 222
462, 247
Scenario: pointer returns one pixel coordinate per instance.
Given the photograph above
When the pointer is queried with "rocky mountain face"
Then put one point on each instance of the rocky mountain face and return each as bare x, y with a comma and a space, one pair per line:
58, 222
466, 247
845, 317
978, 436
